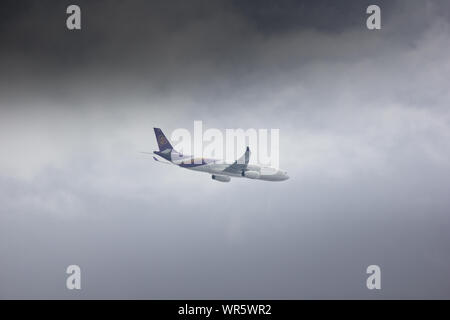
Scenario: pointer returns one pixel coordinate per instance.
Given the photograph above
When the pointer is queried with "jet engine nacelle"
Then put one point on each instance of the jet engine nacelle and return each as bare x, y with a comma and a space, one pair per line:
251, 174
221, 178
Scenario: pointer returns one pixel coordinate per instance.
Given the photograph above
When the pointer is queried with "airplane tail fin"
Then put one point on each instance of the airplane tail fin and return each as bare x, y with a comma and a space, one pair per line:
163, 143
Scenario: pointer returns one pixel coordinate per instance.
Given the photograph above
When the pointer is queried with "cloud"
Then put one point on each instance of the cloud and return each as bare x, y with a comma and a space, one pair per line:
364, 135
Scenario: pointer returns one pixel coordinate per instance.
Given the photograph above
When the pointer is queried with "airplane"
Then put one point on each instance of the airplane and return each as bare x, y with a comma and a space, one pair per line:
219, 170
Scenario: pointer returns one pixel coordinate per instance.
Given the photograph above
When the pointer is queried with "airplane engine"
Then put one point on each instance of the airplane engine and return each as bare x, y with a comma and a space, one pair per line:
221, 178
251, 174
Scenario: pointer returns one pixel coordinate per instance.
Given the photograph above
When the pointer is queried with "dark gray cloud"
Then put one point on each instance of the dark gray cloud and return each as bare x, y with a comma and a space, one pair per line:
364, 133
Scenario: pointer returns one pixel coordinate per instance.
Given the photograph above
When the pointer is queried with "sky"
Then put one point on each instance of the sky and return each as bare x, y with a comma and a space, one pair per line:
364, 126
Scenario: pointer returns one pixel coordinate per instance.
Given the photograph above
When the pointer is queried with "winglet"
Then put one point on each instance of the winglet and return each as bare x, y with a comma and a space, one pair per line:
245, 157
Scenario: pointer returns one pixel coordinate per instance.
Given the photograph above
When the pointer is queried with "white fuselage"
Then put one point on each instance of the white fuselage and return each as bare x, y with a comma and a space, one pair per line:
216, 167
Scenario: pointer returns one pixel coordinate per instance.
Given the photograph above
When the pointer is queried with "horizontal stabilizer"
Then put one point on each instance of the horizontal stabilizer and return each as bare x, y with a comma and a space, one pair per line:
165, 162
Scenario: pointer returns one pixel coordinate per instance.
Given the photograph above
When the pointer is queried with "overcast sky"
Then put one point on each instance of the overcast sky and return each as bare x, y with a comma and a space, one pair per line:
364, 125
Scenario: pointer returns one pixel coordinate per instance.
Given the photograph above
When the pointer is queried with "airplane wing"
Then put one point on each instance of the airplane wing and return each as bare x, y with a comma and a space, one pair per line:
240, 164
